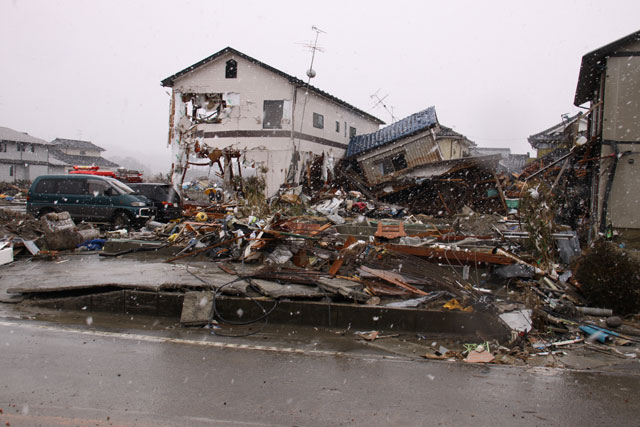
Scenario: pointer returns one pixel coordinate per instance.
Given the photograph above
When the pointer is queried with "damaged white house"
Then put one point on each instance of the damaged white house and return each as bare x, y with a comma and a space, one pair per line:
272, 121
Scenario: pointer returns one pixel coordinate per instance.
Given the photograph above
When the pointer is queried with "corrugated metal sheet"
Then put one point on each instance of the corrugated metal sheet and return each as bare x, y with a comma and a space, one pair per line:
424, 119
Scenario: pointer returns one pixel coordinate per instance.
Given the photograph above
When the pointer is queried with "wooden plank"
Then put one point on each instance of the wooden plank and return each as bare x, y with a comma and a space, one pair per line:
454, 257
501, 193
336, 266
393, 279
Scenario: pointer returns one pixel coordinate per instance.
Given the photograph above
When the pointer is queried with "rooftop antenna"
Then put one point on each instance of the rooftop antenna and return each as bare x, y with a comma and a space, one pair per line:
311, 73
380, 101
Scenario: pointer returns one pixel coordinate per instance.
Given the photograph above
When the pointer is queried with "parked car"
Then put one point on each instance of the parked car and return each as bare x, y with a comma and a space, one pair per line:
89, 198
167, 202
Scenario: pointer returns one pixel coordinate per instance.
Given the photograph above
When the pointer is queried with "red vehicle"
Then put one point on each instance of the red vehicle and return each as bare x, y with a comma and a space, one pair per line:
121, 174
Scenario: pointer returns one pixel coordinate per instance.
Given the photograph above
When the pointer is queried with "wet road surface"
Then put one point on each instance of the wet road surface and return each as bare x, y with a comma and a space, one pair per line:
72, 375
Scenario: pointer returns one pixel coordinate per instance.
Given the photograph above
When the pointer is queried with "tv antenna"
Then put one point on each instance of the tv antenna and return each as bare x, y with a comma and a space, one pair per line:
313, 47
379, 100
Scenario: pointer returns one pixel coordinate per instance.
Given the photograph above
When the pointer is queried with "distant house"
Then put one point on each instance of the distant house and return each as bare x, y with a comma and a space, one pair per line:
509, 162
562, 135
24, 157
272, 120
73, 152
610, 82
405, 147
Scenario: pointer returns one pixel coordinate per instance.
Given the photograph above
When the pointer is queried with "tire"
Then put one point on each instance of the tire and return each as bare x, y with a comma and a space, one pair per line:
121, 220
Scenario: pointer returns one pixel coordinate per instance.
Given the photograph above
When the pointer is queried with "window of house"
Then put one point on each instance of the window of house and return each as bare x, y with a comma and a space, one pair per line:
345, 128
10, 170
399, 162
272, 115
392, 164
318, 121
83, 153
337, 126
19, 147
384, 166
3, 147
231, 71
352, 131
33, 148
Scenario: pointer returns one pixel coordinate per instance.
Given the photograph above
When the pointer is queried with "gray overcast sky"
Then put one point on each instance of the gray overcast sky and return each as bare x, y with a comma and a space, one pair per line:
497, 71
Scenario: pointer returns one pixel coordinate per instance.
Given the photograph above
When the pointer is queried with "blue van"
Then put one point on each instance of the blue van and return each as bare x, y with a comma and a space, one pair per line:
89, 198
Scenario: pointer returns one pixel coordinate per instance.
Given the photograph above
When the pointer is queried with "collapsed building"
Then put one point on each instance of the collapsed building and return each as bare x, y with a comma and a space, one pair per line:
424, 166
231, 108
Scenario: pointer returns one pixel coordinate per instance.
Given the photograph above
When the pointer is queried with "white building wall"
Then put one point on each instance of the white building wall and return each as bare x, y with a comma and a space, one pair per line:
241, 126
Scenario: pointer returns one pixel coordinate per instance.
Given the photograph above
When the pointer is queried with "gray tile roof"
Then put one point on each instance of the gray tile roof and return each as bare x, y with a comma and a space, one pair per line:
7, 134
76, 144
416, 122
82, 160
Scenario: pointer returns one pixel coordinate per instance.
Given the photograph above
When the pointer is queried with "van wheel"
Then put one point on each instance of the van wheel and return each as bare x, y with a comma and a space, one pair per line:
121, 220
42, 212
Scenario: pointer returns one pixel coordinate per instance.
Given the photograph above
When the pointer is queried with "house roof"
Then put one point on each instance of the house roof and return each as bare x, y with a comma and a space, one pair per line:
76, 144
7, 134
169, 81
82, 160
594, 62
408, 126
554, 134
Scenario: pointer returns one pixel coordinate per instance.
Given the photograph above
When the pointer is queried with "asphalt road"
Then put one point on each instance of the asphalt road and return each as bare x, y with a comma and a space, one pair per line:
72, 375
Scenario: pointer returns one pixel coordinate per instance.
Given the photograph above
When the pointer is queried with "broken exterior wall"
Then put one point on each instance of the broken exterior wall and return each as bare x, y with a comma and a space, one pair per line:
389, 161
620, 127
262, 117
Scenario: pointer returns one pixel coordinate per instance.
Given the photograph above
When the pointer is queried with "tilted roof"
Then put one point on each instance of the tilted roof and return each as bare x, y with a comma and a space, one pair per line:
76, 144
554, 134
594, 62
415, 123
7, 134
169, 81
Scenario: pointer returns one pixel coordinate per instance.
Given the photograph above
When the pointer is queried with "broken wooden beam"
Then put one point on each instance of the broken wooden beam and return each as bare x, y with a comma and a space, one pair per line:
452, 256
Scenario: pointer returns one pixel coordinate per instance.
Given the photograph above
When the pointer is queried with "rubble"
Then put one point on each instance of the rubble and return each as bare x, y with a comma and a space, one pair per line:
470, 254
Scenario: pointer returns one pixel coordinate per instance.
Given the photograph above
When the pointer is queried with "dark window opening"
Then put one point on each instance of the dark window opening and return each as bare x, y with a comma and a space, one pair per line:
83, 153
345, 129
392, 164
231, 71
10, 170
399, 162
272, 115
318, 121
352, 131
337, 126
385, 167
33, 148
19, 147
